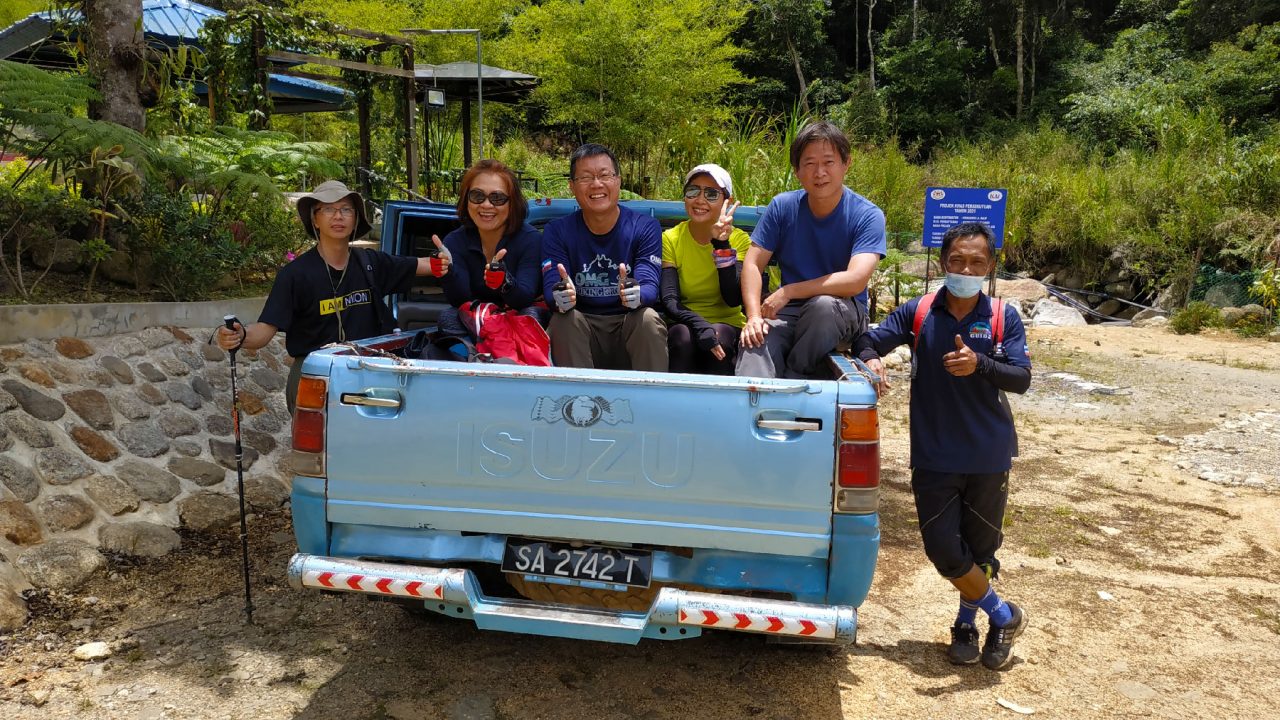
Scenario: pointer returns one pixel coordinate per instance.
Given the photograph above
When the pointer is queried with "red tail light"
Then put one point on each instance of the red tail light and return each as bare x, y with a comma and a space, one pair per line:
308, 431
859, 465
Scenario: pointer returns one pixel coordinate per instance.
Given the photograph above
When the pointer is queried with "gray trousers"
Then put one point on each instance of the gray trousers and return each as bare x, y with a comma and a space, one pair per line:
635, 340
800, 338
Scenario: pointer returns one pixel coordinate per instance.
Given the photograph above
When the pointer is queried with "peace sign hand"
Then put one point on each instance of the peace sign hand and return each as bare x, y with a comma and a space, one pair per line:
724, 226
721, 252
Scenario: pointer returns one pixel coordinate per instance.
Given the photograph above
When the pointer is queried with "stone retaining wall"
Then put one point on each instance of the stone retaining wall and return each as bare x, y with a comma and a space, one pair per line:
19, 323
108, 445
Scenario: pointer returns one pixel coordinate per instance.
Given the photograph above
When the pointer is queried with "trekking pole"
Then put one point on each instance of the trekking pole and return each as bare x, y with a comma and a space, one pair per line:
231, 321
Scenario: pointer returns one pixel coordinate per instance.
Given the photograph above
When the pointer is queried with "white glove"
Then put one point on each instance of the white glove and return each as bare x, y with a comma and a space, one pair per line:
565, 293
628, 288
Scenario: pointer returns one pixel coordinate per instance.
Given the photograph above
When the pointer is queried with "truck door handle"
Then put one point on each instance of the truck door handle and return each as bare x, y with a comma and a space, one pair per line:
368, 401
799, 424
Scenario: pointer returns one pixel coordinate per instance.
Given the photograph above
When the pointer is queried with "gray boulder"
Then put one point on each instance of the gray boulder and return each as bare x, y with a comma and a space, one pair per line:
65, 512
207, 511
200, 472
36, 403
143, 438
29, 430
60, 467
13, 609
60, 564
151, 483
138, 538
1048, 313
112, 494
19, 479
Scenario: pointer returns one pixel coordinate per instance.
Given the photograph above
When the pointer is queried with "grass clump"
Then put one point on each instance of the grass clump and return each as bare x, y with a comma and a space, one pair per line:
1195, 317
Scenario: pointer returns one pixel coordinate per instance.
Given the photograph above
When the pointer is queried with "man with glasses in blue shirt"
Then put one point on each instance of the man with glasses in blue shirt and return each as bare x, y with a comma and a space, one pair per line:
600, 274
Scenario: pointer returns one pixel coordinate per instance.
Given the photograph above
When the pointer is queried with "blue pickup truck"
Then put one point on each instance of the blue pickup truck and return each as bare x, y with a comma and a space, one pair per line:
592, 504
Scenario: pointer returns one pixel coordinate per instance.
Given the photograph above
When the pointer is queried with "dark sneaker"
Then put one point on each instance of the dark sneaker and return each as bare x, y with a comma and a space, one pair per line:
963, 649
997, 651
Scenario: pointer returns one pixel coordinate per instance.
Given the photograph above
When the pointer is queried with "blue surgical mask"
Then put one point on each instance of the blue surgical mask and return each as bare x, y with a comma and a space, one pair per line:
964, 286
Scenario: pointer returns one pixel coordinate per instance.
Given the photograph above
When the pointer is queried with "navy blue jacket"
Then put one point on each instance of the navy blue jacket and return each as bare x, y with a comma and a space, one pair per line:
958, 424
465, 280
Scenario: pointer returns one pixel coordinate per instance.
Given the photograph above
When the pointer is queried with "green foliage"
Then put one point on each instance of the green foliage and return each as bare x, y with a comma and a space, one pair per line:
1266, 289
624, 73
1195, 317
34, 213
925, 83
14, 10
42, 116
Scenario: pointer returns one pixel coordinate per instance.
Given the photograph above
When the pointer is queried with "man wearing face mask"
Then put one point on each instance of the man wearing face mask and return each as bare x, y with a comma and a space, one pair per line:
962, 433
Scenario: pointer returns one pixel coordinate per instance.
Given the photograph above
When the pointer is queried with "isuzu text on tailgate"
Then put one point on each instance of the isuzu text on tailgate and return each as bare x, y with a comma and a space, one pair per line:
593, 504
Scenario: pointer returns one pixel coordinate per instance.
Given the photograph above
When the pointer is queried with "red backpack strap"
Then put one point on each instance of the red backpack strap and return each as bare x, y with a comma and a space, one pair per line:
922, 310
997, 321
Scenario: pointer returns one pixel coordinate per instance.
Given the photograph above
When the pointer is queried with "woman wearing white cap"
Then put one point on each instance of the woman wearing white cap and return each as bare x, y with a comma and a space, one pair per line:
701, 259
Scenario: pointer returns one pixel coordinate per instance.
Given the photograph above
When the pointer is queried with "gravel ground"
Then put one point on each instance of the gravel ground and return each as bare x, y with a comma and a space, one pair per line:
1136, 542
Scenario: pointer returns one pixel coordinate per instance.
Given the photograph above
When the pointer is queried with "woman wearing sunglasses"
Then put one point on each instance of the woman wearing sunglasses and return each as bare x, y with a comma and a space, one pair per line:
494, 257
701, 259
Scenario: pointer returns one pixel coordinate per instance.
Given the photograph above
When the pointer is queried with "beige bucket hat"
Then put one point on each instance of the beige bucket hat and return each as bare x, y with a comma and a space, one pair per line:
332, 191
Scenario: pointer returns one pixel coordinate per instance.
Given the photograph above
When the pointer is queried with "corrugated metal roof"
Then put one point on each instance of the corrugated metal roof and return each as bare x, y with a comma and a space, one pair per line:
171, 22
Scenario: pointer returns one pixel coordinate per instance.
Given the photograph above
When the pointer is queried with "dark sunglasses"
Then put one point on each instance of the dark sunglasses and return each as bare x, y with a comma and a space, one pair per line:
477, 197
710, 193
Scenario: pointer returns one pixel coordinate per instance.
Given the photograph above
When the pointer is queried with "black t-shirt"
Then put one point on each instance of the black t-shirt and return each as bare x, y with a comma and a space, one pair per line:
309, 298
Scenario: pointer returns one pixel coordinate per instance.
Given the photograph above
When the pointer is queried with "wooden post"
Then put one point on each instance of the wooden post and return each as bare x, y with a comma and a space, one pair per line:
260, 119
466, 131
410, 111
362, 114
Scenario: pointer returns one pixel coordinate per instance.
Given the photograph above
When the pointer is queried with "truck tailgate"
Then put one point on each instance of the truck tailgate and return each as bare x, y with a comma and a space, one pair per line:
584, 454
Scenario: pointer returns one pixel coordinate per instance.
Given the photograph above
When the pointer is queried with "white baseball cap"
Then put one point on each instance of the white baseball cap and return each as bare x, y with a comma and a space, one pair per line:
717, 173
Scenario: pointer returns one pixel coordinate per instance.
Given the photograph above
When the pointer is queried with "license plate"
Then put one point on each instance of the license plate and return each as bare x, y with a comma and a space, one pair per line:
589, 562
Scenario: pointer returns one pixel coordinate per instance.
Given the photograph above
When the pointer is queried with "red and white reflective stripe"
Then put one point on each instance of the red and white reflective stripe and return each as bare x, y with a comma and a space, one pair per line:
759, 622
371, 584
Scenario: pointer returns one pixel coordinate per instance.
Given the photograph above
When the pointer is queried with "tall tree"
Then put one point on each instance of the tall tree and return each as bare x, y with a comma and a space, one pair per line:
116, 53
628, 72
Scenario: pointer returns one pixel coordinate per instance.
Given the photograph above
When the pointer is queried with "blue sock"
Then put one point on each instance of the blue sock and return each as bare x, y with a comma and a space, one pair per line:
995, 608
968, 614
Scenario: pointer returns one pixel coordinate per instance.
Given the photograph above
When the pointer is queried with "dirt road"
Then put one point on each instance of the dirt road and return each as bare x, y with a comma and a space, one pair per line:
1143, 539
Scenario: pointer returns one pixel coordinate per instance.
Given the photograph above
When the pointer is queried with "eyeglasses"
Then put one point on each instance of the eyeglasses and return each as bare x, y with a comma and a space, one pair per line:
605, 177
712, 194
495, 198
329, 212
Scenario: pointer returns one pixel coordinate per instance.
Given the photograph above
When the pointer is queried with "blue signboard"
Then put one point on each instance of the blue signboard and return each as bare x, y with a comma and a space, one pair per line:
945, 207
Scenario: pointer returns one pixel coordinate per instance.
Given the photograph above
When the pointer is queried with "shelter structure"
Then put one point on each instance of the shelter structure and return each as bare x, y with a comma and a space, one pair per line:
166, 24
462, 81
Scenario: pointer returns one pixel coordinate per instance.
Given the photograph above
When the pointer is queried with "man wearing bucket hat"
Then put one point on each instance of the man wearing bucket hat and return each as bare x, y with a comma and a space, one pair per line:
331, 293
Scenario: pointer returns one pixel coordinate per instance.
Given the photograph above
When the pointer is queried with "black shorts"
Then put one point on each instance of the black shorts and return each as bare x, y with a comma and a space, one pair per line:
961, 519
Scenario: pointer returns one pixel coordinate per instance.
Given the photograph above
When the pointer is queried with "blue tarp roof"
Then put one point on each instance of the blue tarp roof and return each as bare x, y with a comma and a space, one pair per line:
173, 23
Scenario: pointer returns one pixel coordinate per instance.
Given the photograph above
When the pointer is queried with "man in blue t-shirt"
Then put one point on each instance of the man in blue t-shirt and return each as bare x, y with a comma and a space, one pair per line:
600, 274
827, 240
964, 359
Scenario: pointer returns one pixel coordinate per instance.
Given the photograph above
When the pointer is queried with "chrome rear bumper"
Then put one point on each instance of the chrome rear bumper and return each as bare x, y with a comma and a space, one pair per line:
674, 614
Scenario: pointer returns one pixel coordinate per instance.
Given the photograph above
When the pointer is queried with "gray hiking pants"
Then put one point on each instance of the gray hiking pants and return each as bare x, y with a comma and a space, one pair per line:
635, 340
800, 338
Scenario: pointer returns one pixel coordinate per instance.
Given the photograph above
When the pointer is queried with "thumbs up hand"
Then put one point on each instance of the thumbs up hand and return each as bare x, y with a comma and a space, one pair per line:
962, 361
628, 288
442, 260
495, 273
565, 294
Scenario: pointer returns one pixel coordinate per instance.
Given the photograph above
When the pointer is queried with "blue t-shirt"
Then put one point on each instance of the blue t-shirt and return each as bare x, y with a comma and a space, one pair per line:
806, 247
465, 280
958, 424
592, 260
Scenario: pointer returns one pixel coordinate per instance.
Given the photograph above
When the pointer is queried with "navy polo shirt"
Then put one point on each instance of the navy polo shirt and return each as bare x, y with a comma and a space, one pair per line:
958, 424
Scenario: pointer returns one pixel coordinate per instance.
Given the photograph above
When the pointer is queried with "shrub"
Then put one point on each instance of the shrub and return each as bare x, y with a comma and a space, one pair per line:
1195, 317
